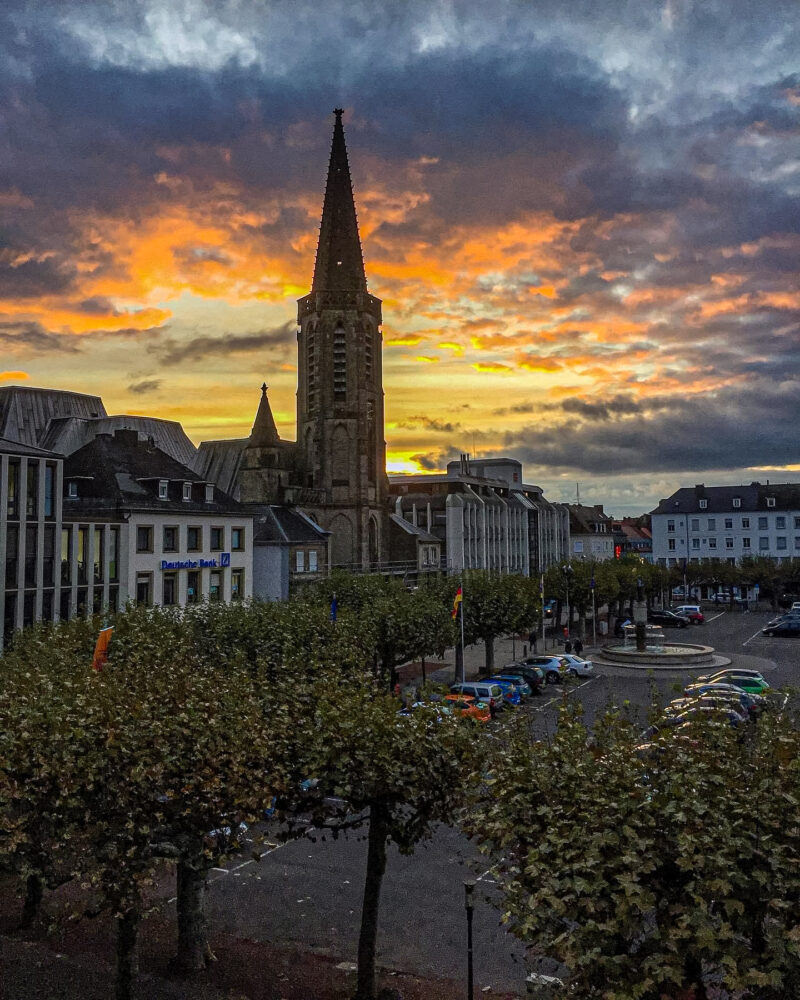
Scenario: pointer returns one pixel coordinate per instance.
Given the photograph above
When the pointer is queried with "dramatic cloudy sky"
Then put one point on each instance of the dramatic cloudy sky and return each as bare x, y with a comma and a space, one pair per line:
582, 218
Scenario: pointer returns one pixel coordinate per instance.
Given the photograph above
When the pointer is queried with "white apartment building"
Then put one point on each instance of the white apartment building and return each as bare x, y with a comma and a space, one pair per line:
727, 522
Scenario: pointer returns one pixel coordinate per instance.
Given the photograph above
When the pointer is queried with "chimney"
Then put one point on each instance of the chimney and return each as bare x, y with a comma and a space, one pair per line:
126, 437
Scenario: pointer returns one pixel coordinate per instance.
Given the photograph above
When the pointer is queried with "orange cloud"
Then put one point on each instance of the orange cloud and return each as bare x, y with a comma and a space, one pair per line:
493, 368
402, 341
425, 358
13, 376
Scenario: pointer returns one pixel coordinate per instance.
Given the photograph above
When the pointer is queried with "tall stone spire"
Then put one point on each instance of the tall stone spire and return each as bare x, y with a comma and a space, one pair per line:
264, 432
339, 265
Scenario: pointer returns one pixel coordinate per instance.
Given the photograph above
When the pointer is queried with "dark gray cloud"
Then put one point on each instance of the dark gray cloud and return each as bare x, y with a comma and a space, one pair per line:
145, 386
23, 338
200, 348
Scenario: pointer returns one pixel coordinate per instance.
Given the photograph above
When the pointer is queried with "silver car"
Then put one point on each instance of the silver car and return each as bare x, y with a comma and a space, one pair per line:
578, 667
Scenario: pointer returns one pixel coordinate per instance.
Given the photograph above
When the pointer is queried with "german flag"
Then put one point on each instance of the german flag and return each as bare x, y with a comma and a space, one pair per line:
456, 602
101, 648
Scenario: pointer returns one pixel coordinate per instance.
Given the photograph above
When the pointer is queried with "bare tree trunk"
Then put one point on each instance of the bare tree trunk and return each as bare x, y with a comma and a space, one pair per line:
34, 891
127, 956
489, 643
376, 866
194, 952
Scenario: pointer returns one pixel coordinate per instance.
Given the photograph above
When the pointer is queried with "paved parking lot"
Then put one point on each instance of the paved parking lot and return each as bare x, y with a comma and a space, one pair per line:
309, 891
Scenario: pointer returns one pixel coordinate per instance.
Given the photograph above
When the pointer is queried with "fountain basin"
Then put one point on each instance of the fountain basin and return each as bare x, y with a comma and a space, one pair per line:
671, 656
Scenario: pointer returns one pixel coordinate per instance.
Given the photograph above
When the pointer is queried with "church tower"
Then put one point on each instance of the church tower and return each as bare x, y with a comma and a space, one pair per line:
341, 452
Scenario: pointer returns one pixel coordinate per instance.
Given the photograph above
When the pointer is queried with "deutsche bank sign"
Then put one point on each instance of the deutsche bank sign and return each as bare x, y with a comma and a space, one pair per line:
223, 560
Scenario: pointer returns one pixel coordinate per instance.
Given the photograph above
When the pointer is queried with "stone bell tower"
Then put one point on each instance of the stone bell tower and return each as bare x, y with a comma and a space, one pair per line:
341, 452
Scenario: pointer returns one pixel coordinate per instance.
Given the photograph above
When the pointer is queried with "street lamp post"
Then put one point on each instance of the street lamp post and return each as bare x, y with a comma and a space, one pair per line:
469, 888
567, 574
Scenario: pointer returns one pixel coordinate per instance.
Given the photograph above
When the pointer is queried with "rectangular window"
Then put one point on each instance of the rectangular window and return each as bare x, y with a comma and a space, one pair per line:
770, 501
31, 540
670, 525
780, 522
97, 600
797, 541
113, 599
193, 586
745, 522
113, 554
12, 556
237, 539
47, 606
72, 490
170, 590
671, 544
98, 555
66, 557
712, 524
745, 543
300, 561
32, 495
215, 587
82, 544
217, 536
737, 501
209, 492
712, 543
144, 588
194, 538
762, 524
703, 504
312, 562
187, 491
28, 607
578, 546
65, 604
49, 487
170, 538
163, 489
237, 585
695, 524
13, 490
728, 543
144, 538
49, 563
763, 542
695, 543
780, 542
728, 523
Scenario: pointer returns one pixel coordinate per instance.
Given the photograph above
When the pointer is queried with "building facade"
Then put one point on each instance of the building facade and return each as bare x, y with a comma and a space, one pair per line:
727, 522
591, 532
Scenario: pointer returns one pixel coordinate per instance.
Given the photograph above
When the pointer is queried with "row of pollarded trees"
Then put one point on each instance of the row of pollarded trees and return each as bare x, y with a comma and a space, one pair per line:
671, 870
200, 719
772, 577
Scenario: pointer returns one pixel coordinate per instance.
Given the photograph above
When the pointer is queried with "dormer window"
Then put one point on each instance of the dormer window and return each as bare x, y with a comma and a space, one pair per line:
209, 492
737, 501
187, 491
72, 490
770, 501
704, 505
163, 489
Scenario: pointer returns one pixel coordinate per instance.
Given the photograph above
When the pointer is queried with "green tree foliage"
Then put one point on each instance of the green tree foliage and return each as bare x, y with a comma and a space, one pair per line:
645, 871
400, 775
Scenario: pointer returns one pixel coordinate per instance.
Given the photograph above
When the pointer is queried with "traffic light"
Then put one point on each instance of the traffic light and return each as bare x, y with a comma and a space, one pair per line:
617, 551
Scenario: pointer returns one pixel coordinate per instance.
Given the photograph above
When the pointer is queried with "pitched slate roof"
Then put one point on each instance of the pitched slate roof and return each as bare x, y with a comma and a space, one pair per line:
719, 499
274, 524
123, 471
25, 410
8, 447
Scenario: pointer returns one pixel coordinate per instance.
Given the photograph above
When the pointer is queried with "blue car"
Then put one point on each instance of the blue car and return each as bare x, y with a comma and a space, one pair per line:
519, 682
511, 695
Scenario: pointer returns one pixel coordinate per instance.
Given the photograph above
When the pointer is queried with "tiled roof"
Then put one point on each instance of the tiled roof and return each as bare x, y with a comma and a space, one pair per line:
276, 524
719, 499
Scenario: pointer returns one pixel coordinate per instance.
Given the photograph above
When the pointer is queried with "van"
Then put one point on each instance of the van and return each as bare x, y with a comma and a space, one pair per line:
492, 694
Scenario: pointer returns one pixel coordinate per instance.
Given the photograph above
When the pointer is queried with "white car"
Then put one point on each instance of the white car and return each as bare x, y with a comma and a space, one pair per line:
578, 667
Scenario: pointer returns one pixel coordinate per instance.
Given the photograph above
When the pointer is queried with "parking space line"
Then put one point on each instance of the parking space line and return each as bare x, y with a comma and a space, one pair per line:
755, 636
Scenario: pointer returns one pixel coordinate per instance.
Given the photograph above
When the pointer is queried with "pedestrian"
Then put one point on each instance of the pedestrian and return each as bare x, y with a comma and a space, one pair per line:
578, 647
532, 641
567, 646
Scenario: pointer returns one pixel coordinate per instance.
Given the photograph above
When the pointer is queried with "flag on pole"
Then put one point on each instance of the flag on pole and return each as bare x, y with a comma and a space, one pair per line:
334, 608
456, 602
101, 648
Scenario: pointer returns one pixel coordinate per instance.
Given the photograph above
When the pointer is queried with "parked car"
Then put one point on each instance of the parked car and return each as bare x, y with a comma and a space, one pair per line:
513, 680
549, 609
720, 702
690, 611
533, 676
751, 702
787, 616
577, 666
554, 667
748, 680
788, 600
789, 627
486, 691
668, 619
511, 692
468, 707
722, 597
